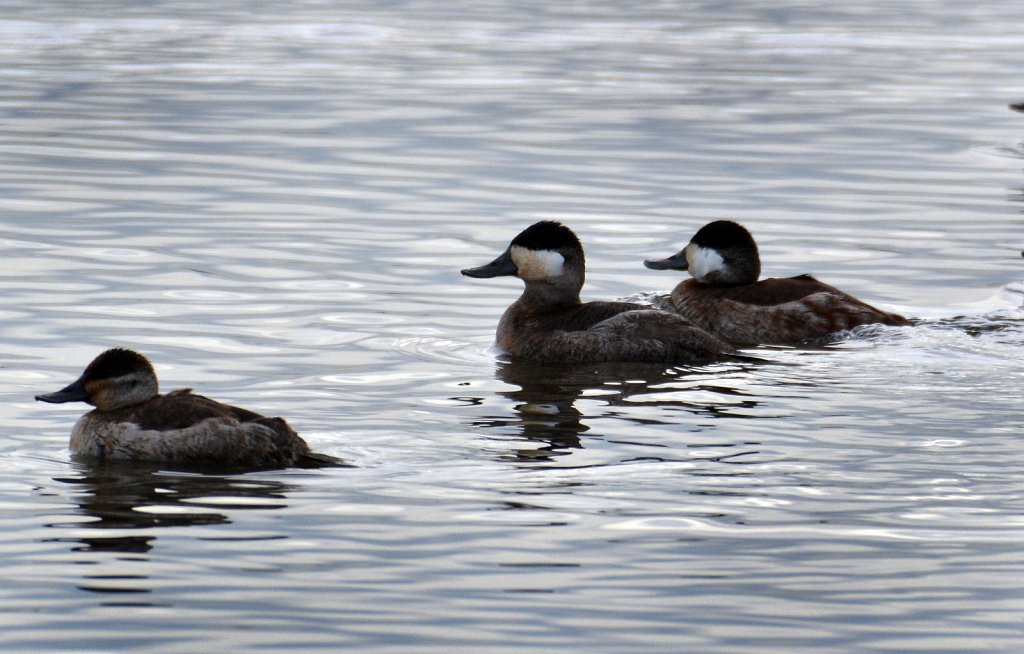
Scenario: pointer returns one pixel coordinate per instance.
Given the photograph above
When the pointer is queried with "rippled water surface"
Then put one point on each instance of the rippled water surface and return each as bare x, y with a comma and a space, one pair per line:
273, 201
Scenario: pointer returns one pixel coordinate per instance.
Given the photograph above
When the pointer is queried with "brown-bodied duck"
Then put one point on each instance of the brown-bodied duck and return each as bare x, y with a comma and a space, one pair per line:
550, 324
725, 297
132, 421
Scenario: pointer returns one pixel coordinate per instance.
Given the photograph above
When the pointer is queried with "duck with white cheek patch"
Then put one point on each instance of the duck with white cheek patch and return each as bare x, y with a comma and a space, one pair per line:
550, 324
132, 421
725, 297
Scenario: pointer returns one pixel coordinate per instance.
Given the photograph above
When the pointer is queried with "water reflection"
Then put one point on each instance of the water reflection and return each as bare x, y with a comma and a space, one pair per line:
545, 401
127, 501
273, 200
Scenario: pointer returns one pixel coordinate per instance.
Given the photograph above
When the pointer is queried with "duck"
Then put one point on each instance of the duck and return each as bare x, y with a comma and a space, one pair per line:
726, 298
549, 323
132, 421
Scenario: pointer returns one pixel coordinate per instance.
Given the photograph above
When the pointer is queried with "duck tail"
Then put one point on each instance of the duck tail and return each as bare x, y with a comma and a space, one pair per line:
746, 358
317, 460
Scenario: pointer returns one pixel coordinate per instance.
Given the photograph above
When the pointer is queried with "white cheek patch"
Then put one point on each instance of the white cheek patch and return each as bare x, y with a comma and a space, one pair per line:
537, 265
703, 262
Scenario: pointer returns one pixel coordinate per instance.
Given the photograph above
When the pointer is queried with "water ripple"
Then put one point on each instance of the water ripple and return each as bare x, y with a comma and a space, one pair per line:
274, 206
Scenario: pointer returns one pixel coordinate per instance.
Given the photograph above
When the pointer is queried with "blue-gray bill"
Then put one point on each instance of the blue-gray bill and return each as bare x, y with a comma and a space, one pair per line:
500, 267
675, 262
74, 392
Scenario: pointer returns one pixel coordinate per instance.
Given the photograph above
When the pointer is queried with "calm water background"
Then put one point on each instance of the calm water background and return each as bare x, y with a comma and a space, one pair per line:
272, 200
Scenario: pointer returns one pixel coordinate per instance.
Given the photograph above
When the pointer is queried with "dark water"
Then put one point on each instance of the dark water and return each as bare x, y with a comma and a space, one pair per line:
273, 200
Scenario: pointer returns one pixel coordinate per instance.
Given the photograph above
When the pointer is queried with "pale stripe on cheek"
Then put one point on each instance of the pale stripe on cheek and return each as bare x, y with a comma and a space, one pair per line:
703, 261
536, 265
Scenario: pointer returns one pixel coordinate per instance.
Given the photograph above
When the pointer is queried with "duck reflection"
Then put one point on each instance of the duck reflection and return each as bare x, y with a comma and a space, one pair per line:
126, 498
545, 400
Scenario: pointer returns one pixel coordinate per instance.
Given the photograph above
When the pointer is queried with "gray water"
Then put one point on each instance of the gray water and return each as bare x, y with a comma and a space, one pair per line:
273, 200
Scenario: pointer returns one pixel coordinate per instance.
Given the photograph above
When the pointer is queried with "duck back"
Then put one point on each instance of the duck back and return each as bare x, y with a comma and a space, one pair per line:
604, 332
775, 311
183, 427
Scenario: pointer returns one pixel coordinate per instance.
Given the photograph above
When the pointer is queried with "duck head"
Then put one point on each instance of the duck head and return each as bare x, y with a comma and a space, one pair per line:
115, 379
721, 253
547, 256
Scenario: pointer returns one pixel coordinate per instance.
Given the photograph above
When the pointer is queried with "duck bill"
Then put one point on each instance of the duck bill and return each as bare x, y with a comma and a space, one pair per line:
502, 266
675, 262
75, 392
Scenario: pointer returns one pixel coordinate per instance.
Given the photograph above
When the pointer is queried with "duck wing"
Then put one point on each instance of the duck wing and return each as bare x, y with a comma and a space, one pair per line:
651, 334
773, 291
181, 409
637, 336
183, 426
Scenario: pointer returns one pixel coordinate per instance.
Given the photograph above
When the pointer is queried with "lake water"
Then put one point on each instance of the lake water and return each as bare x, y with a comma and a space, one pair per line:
273, 200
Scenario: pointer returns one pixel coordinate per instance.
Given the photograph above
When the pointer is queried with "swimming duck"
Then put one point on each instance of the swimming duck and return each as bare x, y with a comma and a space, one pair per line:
133, 421
726, 298
550, 324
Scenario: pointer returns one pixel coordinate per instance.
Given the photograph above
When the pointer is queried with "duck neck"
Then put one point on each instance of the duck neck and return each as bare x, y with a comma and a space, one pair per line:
543, 295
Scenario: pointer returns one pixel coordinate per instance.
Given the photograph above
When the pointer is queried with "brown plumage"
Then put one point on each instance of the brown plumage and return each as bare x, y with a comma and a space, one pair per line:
550, 324
726, 298
132, 421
